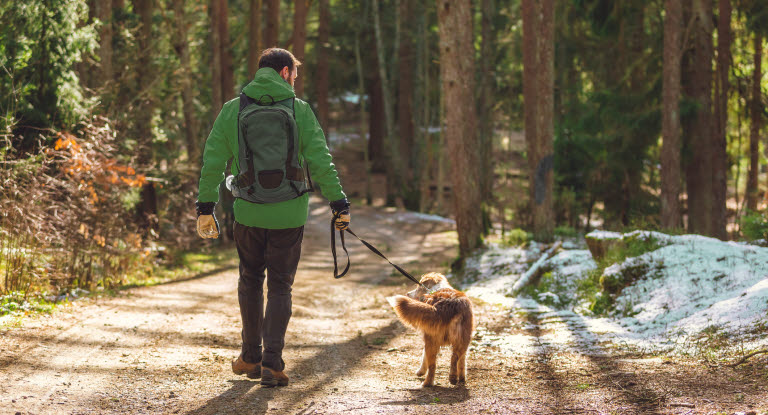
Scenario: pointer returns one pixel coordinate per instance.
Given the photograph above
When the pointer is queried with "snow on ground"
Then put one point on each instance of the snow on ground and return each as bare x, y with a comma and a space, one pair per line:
689, 284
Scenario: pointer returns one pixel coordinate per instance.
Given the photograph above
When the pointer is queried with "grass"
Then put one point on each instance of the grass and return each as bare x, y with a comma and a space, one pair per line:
183, 265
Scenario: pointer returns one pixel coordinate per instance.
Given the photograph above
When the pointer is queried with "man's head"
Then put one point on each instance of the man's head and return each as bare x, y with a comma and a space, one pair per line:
282, 61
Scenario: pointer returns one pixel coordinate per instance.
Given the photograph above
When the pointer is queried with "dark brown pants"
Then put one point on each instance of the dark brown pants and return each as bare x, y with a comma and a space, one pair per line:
277, 251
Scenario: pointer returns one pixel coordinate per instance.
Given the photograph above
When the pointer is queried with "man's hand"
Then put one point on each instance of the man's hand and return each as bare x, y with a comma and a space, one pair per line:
341, 215
207, 225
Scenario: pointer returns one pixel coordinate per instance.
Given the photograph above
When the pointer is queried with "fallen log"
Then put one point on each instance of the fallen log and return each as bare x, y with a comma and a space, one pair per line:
526, 278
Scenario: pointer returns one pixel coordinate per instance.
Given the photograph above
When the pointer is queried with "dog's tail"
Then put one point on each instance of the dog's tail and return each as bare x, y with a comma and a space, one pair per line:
417, 314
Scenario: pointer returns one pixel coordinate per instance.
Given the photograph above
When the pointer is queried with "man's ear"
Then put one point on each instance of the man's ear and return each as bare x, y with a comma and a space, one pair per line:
285, 73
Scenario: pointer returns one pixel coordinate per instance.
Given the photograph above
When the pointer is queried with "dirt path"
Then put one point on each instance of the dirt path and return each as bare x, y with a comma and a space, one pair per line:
166, 349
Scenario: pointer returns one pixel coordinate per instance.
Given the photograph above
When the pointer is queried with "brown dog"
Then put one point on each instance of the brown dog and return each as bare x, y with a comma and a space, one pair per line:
445, 318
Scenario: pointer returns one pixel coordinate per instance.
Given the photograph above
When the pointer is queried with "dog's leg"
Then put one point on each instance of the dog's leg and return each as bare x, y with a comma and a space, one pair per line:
462, 366
423, 369
431, 348
453, 376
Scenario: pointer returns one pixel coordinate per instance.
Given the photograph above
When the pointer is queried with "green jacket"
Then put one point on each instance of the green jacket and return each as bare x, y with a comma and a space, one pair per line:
221, 146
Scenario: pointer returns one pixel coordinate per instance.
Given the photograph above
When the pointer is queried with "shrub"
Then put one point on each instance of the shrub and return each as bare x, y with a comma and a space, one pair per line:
517, 237
754, 225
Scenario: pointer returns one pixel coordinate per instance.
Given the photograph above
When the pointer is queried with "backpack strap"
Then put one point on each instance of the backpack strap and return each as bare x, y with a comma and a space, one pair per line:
245, 100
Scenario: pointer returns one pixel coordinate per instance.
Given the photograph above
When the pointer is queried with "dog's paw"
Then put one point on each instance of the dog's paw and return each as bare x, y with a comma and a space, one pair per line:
420, 373
453, 379
427, 384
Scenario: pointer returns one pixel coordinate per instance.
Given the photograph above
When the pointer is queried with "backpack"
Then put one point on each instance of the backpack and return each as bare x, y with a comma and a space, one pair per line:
268, 152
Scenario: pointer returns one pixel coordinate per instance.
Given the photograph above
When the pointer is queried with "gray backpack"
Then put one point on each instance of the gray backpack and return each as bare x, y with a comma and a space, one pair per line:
268, 152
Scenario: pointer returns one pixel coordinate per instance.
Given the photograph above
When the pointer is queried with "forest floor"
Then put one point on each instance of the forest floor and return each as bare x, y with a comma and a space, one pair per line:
167, 349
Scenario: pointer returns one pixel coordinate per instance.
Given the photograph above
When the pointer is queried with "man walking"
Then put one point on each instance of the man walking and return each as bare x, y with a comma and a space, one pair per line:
272, 137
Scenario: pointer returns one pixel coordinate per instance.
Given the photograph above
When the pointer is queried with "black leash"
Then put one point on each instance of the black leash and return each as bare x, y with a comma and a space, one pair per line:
367, 245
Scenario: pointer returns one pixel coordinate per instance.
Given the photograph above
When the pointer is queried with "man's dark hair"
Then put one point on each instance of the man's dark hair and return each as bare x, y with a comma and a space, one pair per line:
277, 59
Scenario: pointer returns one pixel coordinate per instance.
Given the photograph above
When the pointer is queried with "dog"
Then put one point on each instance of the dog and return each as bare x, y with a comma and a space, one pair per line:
445, 317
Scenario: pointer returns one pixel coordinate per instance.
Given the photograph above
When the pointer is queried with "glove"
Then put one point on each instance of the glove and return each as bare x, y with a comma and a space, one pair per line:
341, 216
207, 225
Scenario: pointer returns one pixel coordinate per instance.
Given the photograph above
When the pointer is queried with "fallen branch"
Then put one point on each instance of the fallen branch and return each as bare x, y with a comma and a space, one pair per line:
745, 358
525, 278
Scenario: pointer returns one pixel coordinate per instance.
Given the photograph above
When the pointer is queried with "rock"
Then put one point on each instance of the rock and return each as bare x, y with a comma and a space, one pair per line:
599, 242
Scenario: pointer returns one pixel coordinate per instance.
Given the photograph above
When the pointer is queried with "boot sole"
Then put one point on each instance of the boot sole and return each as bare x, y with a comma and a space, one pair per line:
270, 381
250, 375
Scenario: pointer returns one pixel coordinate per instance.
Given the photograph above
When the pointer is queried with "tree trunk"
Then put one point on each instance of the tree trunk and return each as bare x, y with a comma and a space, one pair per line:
394, 165
697, 129
361, 93
457, 70
530, 80
323, 66
538, 92
254, 37
271, 29
670, 122
227, 69
299, 39
215, 39
754, 131
543, 213
147, 208
376, 120
409, 151
181, 46
486, 97
719, 139
103, 11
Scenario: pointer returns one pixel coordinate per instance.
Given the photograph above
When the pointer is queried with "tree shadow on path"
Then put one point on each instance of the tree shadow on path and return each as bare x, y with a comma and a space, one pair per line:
248, 397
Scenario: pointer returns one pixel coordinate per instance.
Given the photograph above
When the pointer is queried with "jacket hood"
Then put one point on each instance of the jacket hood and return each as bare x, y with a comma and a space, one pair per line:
268, 82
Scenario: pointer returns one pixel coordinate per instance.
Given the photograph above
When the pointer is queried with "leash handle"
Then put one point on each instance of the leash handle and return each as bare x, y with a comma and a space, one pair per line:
333, 249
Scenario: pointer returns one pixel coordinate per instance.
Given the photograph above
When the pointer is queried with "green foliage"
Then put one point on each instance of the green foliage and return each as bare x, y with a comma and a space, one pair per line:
517, 237
40, 43
602, 288
566, 232
754, 225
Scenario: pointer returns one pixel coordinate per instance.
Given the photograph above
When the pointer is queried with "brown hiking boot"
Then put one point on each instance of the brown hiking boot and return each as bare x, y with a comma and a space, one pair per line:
252, 370
271, 378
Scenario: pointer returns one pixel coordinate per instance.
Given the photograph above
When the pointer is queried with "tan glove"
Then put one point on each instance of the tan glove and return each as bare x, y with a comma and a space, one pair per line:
342, 221
207, 227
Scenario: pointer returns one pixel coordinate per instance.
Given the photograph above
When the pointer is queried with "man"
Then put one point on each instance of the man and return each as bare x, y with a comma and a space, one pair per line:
268, 233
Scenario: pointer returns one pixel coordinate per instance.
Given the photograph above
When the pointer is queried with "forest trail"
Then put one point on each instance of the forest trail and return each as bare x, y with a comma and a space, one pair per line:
167, 349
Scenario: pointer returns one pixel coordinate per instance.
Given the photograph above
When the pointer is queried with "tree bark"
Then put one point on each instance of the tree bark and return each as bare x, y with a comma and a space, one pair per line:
457, 70
530, 59
394, 165
486, 97
271, 29
181, 46
409, 151
361, 93
543, 214
719, 139
299, 39
376, 120
670, 128
538, 92
754, 131
323, 67
697, 129
254, 37
227, 69
215, 39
